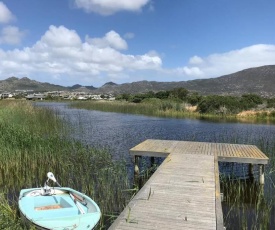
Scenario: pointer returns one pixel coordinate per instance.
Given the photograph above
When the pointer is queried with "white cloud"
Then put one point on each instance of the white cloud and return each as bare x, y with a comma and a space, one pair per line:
11, 35
5, 15
111, 39
189, 71
195, 60
60, 54
219, 64
61, 37
109, 7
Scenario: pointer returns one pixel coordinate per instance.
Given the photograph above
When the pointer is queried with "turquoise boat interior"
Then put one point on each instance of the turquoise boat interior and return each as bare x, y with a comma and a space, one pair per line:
59, 210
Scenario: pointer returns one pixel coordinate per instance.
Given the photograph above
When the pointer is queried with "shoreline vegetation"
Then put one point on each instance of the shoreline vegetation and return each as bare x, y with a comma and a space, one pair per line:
34, 141
181, 103
172, 109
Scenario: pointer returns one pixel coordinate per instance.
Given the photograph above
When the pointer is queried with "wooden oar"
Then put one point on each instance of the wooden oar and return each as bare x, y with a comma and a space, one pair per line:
77, 204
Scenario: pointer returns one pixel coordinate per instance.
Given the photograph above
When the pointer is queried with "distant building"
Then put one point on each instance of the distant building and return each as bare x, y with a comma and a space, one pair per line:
82, 98
95, 97
35, 96
6, 95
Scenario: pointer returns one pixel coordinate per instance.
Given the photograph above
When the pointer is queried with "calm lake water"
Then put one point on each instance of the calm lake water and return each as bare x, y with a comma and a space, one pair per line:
120, 132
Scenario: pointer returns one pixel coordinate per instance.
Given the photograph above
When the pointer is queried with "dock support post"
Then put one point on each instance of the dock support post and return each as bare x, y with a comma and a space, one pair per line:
261, 174
152, 161
250, 172
136, 171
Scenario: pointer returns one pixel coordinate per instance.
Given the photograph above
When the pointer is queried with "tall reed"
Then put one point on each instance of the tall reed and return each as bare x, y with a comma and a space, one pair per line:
169, 108
156, 107
34, 141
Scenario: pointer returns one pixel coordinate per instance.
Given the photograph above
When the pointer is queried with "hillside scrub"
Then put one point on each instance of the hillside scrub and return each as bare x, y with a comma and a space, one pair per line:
210, 104
228, 104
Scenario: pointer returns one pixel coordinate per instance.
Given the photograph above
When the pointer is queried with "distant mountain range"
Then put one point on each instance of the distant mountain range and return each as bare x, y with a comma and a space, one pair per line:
259, 80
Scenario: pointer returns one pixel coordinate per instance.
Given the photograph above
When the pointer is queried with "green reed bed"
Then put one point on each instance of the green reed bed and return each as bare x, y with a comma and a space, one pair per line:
152, 107
170, 109
248, 205
114, 106
34, 141
245, 206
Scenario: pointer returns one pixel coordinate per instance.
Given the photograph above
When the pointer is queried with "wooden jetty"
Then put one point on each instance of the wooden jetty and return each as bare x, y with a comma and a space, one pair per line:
184, 192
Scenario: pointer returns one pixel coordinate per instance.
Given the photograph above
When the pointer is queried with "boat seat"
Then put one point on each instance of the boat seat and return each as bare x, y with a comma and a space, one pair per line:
50, 207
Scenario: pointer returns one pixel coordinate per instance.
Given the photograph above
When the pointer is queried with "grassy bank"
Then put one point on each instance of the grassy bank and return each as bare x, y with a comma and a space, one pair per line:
34, 141
151, 107
171, 109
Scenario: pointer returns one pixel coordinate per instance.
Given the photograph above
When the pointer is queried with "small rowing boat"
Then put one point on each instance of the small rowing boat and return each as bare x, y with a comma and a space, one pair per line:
58, 207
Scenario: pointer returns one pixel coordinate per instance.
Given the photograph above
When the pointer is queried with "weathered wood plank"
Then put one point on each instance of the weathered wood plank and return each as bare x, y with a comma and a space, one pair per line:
184, 192
218, 204
179, 195
226, 152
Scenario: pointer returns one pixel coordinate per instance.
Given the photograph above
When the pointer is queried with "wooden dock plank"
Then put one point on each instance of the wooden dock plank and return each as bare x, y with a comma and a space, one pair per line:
184, 192
179, 195
226, 152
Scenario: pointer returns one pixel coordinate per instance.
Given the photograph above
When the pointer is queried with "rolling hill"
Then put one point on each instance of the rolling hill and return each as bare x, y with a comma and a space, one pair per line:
259, 80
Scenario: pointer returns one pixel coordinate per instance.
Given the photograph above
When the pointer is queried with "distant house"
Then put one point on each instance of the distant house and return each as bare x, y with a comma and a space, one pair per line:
35, 96
6, 95
82, 98
95, 97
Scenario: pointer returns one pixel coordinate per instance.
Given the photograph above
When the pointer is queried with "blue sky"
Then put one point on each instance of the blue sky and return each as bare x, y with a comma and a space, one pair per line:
91, 42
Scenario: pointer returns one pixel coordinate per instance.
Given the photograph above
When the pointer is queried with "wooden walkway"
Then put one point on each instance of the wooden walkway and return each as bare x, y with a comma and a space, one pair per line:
225, 152
184, 192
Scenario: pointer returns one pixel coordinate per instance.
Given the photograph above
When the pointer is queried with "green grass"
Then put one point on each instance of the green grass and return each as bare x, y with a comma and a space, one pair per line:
34, 141
152, 107
167, 108
245, 205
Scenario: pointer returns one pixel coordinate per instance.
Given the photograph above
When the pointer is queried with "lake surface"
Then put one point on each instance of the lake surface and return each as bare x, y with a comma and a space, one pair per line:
120, 132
